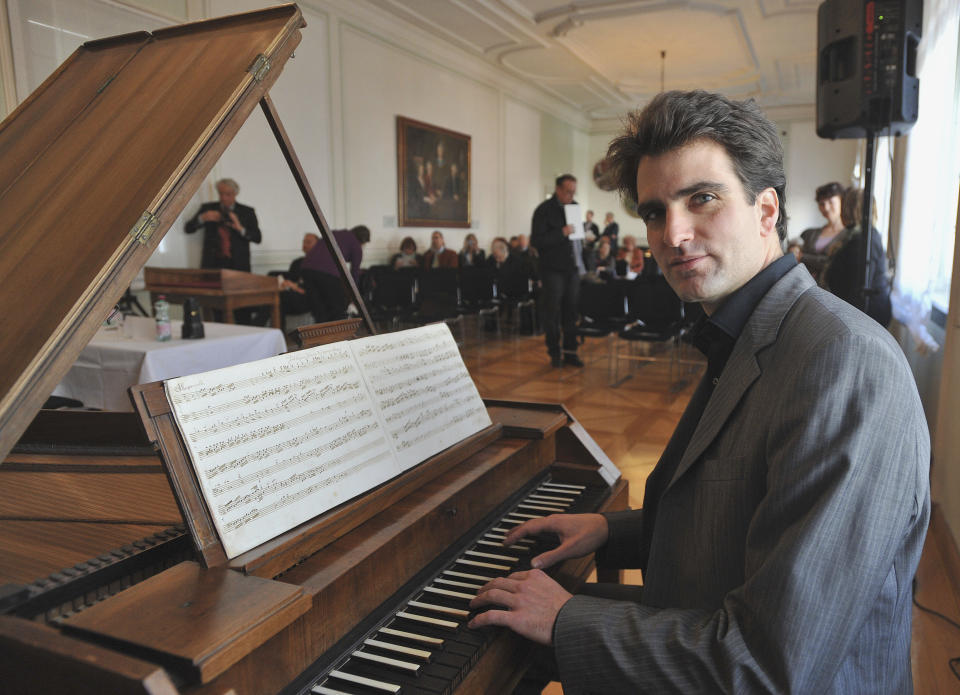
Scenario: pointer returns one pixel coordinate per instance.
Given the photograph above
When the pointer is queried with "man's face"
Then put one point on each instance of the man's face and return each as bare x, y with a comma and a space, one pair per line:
830, 207
522, 242
436, 241
704, 235
565, 192
227, 195
589, 216
608, 218
309, 241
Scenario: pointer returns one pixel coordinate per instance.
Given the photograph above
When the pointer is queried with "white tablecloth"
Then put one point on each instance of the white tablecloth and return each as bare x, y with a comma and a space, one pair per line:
120, 357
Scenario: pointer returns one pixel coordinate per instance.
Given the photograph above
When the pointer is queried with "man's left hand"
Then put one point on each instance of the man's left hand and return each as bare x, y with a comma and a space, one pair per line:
235, 221
533, 600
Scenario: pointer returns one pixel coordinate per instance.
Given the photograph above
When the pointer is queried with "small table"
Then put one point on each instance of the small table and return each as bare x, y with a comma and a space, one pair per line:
119, 357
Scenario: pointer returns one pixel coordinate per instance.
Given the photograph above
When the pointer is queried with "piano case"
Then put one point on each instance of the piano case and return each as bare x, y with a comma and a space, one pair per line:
94, 168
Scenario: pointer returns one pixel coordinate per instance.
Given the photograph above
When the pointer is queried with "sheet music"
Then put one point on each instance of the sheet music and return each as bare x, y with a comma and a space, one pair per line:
572, 215
426, 398
279, 441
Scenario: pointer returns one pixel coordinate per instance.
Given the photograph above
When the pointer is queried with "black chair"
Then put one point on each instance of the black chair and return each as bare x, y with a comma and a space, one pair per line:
657, 317
391, 293
602, 312
478, 296
438, 299
515, 295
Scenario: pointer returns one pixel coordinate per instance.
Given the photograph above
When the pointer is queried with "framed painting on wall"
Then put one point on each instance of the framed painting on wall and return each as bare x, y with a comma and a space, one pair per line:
433, 175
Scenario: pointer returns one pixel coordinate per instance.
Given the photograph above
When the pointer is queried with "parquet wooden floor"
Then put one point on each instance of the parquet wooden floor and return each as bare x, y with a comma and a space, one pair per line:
632, 423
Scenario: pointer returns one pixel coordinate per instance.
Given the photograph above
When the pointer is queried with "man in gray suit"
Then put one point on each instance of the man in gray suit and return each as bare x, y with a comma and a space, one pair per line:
783, 525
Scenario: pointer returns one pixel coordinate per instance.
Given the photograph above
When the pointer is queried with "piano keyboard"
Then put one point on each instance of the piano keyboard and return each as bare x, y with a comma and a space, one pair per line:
423, 646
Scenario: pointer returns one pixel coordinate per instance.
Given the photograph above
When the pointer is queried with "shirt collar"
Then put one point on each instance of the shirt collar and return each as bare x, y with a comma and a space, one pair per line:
716, 335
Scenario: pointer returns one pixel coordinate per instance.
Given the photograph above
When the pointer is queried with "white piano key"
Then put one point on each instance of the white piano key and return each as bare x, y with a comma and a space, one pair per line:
568, 486
447, 592
324, 690
451, 582
492, 556
505, 531
494, 544
524, 516
541, 508
427, 620
405, 666
559, 491
369, 682
511, 521
412, 636
446, 610
465, 575
485, 565
563, 501
398, 648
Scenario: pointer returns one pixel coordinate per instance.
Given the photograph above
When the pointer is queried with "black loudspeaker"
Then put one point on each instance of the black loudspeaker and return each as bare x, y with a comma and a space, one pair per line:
867, 66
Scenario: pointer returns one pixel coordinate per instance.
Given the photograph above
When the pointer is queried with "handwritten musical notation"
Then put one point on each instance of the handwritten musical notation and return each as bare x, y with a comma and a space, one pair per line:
278, 441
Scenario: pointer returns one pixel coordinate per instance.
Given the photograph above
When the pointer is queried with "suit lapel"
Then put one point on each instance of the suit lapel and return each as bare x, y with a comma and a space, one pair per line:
743, 368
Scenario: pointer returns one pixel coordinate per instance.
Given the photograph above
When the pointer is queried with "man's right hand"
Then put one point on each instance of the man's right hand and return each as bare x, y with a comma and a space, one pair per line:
580, 534
568, 230
210, 216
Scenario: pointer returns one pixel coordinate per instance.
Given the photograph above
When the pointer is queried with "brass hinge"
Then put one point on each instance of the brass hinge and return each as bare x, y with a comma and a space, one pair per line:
260, 67
144, 227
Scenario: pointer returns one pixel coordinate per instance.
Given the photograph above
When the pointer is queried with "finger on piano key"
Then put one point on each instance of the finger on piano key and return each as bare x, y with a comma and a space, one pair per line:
499, 544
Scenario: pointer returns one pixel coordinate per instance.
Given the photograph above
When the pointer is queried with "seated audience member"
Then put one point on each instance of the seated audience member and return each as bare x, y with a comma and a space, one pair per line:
842, 273
819, 243
527, 255
408, 256
501, 260
514, 243
471, 254
636, 264
601, 262
293, 296
321, 277
624, 255
438, 255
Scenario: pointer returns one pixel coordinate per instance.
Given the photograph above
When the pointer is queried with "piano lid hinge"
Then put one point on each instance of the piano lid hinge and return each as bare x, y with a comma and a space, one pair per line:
144, 227
260, 67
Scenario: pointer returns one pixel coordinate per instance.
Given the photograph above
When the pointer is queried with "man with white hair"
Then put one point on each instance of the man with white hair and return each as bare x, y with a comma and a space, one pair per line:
228, 229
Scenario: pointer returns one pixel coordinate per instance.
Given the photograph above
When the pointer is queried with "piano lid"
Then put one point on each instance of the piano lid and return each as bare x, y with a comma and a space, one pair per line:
94, 168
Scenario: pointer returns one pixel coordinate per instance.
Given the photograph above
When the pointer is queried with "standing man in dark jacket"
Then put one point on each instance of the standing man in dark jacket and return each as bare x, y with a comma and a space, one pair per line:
228, 228
549, 235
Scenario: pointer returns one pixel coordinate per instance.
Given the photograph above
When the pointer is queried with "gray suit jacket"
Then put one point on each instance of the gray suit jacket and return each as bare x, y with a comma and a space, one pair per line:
784, 547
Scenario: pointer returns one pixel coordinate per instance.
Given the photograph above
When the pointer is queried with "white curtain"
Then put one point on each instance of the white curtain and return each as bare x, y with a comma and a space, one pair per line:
932, 173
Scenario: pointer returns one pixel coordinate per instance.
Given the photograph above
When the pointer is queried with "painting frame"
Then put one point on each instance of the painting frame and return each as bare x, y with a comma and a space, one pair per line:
433, 175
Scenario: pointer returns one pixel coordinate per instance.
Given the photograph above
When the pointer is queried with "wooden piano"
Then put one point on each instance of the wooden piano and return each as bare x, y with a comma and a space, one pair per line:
106, 584
221, 289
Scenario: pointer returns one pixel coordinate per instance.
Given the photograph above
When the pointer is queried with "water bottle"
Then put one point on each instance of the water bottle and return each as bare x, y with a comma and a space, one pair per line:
161, 312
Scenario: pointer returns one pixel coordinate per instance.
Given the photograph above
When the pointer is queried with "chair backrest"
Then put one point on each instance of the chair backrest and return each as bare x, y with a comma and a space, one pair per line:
653, 301
476, 284
439, 281
601, 300
393, 288
514, 284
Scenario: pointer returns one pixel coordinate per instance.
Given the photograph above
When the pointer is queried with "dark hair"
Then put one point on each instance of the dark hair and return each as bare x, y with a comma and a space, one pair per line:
565, 177
361, 232
674, 119
408, 240
828, 190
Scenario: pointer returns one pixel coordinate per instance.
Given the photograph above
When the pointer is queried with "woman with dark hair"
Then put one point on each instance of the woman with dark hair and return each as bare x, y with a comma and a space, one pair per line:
820, 243
842, 273
408, 256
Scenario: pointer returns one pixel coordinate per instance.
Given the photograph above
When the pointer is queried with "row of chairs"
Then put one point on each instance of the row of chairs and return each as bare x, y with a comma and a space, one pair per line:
412, 296
641, 311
